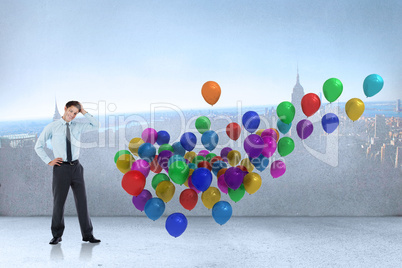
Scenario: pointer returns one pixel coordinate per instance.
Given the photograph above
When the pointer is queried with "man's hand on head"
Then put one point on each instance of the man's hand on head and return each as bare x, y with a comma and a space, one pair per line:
82, 109
56, 162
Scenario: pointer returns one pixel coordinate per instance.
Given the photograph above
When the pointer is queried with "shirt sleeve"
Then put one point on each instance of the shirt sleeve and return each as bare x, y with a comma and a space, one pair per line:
93, 124
41, 143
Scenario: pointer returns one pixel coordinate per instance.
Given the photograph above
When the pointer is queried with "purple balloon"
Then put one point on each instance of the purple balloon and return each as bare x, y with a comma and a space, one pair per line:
304, 129
142, 166
203, 153
234, 177
278, 168
224, 153
140, 200
253, 145
163, 159
269, 132
269, 146
149, 135
222, 184
191, 185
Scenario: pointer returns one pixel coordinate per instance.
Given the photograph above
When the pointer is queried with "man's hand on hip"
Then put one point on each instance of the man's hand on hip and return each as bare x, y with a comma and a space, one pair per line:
56, 162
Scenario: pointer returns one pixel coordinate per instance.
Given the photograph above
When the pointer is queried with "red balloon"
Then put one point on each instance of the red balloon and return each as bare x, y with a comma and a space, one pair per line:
233, 130
188, 199
243, 168
154, 166
310, 104
216, 158
205, 164
133, 182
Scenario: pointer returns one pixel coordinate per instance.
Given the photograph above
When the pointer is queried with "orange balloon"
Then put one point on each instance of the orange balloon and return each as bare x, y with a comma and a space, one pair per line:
211, 92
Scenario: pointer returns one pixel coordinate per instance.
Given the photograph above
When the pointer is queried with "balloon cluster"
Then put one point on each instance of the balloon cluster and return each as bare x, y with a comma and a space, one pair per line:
178, 163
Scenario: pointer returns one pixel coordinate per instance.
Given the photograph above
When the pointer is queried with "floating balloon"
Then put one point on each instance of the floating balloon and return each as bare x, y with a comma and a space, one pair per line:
283, 128
149, 135
140, 200
124, 162
286, 112
190, 156
147, 151
278, 168
236, 195
216, 158
159, 178
165, 147
252, 182
222, 212
332, 89
209, 139
233, 131
247, 164
234, 177
271, 133
210, 197
188, 199
192, 166
163, 137
304, 129
178, 172
260, 163
176, 224
330, 122
134, 144
119, 153
251, 121
154, 208
201, 179
198, 159
191, 185
154, 166
222, 184
270, 146
204, 153
178, 149
224, 153
221, 172
372, 85
133, 182
234, 157
310, 104
142, 166
175, 158
253, 145
205, 164
211, 92
209, 157
259, 132
165, 190
354, 108
202, 124
163, 159
188, 140
285, 146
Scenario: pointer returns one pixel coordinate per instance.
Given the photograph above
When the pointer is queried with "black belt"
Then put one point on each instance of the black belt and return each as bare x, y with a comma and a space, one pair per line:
71, 163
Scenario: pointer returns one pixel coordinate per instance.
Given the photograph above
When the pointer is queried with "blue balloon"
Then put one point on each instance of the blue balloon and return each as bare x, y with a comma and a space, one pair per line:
178, 149
201, 179
154, 208
221, 212
282, 127
372, 85
209, 139
176, 224
251, 121
330, 122
218, 165
188, 140
163, 137
260, 163
175, 158
147, 152
192, 166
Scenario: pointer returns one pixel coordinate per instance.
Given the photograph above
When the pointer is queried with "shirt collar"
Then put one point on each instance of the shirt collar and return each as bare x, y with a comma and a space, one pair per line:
63, 122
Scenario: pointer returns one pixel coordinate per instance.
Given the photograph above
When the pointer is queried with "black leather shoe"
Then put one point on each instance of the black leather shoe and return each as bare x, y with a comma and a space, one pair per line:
55, 240
91, 239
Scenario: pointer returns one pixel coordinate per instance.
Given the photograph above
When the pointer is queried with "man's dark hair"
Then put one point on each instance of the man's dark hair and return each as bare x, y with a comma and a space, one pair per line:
74, 103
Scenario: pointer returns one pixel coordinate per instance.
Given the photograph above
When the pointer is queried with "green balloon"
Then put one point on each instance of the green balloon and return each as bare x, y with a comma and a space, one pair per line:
159, 178
198, 159
210, 156
237, 195
285, 146
178, 172
165, 147
332, 89
121, 152
202, 124
286, 112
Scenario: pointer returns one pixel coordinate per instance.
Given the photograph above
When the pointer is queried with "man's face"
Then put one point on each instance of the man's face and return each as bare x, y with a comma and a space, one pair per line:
70, 113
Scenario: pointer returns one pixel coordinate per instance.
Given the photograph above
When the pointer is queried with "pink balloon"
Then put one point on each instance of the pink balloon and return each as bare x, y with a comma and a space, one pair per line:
203, 153
270, 133
269, 146
140, 200
278, 168
149, 135
191, 185
142, 166
222, 184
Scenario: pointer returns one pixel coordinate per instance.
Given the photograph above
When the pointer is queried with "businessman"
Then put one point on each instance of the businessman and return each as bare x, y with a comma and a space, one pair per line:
67, 170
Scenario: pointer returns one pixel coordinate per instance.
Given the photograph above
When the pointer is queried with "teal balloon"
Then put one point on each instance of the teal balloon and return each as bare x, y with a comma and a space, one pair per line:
222, 212
175, 158
178, 149
192, 166
282, 127
209, 139
147, 152
260, 163
372, 85
154, 208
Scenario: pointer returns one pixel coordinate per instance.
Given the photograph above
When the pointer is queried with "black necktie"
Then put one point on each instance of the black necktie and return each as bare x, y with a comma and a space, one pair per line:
68, 140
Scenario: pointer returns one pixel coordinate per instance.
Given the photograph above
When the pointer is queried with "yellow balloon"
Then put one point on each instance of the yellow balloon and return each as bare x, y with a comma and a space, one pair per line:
259, 132
190, 156
210, 197
252, 182
247, 164
134, 144
354, 108
234, 157
165, 190
124, 162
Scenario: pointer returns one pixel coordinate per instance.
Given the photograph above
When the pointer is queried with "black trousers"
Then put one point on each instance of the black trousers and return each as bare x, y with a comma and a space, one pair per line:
64, 176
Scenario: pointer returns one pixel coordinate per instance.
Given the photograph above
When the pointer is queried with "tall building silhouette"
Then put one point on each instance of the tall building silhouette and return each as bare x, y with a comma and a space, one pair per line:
297, 95
56, 115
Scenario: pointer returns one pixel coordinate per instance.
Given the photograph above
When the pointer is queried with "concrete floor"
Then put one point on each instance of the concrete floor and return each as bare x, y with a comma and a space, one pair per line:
241, 242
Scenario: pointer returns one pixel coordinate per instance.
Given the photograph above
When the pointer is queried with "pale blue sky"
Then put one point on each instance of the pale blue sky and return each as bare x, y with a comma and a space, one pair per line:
134, 53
